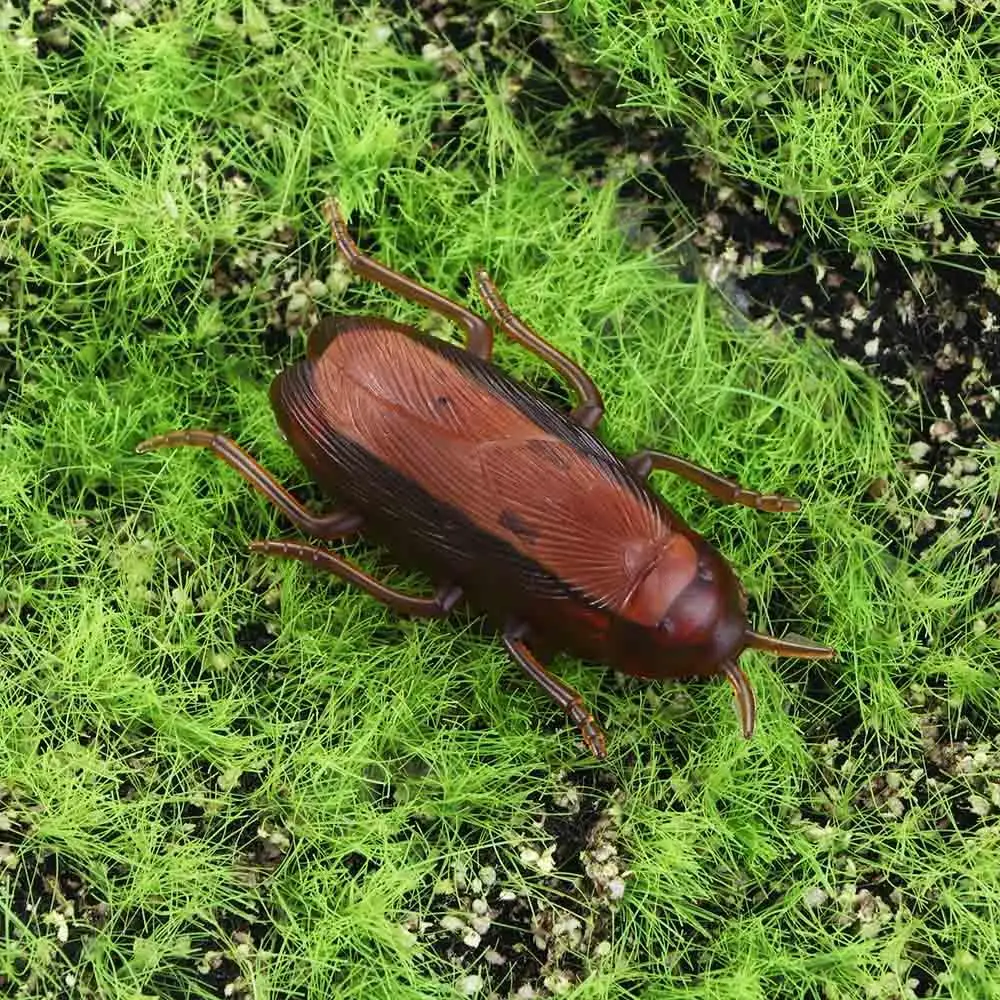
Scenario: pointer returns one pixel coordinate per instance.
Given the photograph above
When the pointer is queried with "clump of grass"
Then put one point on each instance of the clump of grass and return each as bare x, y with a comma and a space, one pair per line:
872, 121
217, 770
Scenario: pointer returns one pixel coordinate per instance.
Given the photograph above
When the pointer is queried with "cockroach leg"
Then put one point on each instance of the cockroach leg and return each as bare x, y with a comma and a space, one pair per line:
326, 526
438, 606
590, 406
560, 692
642, 463
479, 333
746, 703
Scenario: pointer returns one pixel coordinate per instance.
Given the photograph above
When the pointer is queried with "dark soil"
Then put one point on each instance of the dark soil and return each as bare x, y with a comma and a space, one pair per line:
487, 932
53, 900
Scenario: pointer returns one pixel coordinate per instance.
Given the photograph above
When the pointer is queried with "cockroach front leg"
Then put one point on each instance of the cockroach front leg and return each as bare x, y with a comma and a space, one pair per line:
590, 407
438, 606
642, 464
559, 691
327, 526
479, 334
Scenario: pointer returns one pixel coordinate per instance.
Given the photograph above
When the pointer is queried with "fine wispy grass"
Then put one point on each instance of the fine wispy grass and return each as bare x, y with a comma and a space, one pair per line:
875, 119
207, 740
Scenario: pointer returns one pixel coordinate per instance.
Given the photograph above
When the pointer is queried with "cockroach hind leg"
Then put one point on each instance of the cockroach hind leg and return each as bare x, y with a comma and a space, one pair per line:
746, 702
479, 333
789, 645
438, 606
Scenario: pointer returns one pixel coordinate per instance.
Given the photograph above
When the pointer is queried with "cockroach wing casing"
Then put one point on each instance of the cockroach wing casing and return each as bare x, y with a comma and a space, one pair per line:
471, 477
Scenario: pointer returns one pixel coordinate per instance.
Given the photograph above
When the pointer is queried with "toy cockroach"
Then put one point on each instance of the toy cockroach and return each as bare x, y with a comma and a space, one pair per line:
505, 501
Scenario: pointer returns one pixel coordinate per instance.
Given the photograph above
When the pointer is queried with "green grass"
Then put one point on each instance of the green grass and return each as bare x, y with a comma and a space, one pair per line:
152, 750
873, 119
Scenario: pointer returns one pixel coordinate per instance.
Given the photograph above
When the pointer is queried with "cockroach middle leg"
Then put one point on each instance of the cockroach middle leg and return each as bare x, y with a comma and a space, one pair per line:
560, 692
590, 407
479, 334
336, 524
642, 463
438, 606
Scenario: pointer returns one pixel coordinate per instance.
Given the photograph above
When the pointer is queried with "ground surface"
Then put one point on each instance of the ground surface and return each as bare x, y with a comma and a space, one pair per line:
224, 777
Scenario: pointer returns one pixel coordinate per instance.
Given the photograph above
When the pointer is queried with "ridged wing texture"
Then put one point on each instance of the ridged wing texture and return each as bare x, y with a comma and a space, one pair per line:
458, 436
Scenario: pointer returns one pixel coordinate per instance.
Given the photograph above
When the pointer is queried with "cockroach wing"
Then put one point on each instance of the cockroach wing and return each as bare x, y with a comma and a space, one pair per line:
589, 526
583, 521
381, 370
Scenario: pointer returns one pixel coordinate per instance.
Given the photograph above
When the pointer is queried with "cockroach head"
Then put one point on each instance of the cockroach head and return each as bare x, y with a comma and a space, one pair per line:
706, 621
704, 629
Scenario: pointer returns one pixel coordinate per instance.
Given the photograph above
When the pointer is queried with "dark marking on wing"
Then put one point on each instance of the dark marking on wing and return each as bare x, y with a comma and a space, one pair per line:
512, 522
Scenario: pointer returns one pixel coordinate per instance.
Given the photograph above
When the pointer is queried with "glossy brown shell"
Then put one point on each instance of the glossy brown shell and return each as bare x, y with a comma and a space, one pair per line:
471, 477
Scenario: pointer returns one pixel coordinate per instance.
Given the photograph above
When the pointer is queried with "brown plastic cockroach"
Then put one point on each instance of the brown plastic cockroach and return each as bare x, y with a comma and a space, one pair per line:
505, 501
